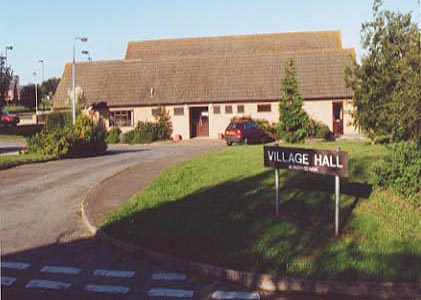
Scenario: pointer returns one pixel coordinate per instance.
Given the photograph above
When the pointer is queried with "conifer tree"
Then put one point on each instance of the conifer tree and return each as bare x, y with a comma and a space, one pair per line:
293, 120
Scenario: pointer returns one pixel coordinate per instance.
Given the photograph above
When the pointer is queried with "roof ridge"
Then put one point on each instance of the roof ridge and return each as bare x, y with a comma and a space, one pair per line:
336, 31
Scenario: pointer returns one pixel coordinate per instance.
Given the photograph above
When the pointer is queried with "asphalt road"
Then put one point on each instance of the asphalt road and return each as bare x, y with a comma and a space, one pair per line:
47, 253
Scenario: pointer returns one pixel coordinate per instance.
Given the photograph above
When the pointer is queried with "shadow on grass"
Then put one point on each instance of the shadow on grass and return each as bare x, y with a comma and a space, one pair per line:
234, 225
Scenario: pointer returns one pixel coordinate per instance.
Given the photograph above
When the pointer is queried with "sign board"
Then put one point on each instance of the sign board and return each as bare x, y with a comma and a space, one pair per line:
324, 162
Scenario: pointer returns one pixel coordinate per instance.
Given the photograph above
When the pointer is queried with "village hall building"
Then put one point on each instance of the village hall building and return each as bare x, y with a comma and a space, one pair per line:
204, 82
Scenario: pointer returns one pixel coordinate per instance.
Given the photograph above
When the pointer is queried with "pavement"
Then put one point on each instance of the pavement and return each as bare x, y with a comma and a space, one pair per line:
47, 252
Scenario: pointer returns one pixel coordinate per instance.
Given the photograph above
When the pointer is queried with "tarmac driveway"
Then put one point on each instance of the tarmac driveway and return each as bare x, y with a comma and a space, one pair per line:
46, 251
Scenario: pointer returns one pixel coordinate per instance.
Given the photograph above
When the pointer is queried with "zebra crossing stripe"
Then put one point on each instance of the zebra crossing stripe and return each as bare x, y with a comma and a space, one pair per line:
47, 284
60, 270
113, 289
222, 295
7, 281
114, 273
169, 276
175, 293
14, 265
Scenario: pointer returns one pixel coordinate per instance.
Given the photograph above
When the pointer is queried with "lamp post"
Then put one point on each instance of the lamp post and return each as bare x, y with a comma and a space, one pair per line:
41, 61
82, 39
86, 52
7, 48
36, 95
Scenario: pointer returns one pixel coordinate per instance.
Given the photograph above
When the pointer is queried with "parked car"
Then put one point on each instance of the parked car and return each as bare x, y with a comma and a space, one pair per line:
8, 119
244, 131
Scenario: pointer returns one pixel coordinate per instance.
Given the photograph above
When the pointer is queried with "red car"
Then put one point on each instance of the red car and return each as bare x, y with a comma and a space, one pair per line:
244, 131
8, 119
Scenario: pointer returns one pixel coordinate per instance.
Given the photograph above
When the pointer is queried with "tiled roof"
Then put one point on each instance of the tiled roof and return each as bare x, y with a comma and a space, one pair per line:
228, 46
207, 78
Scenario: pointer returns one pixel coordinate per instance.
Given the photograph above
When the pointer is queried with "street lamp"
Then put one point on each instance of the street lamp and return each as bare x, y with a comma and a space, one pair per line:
7, 48
36, 95
41, 61
82, 39
86, 52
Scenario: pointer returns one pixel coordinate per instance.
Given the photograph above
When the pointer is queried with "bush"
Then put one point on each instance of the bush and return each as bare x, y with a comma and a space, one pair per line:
113, 136
58, 120
319, 130
83, 139
268, 129
401, 170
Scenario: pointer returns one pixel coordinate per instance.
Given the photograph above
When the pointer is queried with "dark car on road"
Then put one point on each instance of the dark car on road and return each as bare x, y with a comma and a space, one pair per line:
8, 119
244, 131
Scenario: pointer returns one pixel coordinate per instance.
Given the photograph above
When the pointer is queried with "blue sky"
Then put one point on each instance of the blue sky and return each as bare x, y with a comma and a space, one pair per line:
45, 29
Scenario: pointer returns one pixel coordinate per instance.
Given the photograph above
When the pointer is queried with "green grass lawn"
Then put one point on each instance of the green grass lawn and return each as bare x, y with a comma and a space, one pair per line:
219, 209
7, 161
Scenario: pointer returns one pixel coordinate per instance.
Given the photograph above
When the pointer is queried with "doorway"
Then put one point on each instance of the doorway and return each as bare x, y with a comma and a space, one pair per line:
199, 122
338, 118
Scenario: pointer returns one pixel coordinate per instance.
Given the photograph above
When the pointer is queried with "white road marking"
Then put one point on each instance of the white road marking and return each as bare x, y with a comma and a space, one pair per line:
14, 265
169, 276
114, 273
170, 293
60, 270
7, 281
113, 289
48, 284
222, 295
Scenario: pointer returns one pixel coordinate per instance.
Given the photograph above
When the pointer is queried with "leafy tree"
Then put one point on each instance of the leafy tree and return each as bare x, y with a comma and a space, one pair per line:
386, 85
5, 78
27, 96
48, 88
293, 120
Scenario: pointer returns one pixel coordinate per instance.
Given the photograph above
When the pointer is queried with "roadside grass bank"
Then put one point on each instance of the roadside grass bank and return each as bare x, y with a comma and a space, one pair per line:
11, 137
219, 209
9, 161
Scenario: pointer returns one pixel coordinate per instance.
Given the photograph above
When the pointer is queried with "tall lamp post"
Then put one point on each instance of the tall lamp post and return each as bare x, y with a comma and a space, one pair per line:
41, 61
82, 39
86, 52
7, 48
36, 95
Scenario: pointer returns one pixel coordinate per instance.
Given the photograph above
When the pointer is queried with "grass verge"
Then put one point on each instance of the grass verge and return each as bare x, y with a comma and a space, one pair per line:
219, 209
9, 161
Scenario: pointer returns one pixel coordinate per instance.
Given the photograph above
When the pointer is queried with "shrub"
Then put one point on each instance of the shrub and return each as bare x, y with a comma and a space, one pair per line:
319, 130
128, 137
88, 138
268, 128
113, 136
164, 126
83, 139
57, 120
401, 170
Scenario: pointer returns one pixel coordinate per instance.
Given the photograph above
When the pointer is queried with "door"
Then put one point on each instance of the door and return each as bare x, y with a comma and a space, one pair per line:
338, 118
199, 122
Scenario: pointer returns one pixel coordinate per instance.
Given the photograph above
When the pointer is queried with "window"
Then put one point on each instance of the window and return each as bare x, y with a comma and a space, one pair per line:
264, 108
216, 110
156, 111
178, 111
240, 109
121, 118
228, 109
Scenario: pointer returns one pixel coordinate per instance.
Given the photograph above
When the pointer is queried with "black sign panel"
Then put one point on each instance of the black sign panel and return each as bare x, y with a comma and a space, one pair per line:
307, 160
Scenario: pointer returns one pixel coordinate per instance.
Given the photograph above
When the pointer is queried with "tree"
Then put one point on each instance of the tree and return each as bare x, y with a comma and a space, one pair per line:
27, 96
386, 85
293, 120
48, 88
5, 78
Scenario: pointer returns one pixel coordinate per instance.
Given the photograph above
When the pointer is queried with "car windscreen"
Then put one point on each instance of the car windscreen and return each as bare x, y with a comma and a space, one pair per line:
234, 126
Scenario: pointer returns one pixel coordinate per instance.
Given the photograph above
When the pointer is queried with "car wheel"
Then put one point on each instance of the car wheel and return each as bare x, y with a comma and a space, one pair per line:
229, 144
246, 141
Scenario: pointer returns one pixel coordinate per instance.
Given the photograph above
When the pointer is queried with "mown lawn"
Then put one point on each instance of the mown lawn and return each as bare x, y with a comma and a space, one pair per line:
8, 161
219, 209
